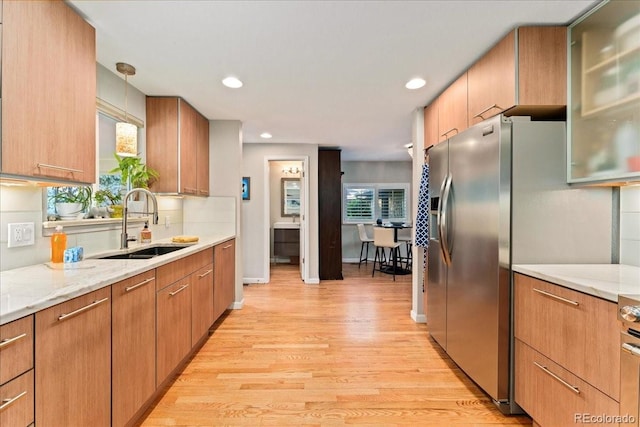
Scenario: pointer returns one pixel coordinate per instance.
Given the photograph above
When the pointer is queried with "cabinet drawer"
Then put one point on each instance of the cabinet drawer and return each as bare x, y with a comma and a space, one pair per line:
16, 401
16, 348
553, 396
176, 270
575, 330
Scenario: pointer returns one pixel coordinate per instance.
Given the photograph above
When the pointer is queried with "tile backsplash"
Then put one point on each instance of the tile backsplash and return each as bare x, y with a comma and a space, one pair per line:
24, 204
630, 225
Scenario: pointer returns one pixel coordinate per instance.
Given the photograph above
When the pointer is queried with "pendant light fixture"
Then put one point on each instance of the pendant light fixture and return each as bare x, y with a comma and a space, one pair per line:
126, 133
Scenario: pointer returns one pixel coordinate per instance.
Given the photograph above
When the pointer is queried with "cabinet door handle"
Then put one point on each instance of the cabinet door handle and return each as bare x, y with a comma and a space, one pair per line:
206, 273
204, 192
65, 316
563, 382
182, 288
5, 342
226, 247
61, 168
8, 402
144, 282
450, 130
190, 190
550, 295
491, 107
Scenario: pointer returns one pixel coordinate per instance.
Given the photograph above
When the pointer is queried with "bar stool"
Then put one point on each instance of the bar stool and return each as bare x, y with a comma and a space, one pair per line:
365, 239
383, 238
408, 242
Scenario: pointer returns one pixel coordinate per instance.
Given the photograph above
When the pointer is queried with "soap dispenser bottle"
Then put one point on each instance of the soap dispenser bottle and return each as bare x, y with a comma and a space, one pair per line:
145, 234
58, 245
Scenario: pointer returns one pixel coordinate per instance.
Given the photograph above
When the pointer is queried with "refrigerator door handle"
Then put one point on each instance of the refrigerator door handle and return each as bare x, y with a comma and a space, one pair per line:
439, 213
444, 240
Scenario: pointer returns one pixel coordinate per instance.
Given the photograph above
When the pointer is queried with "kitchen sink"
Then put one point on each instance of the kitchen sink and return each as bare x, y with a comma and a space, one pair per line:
145, 253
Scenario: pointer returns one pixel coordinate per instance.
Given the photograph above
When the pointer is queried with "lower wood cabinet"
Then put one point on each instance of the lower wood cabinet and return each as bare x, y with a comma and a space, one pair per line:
553, 396
173, 314
16, 348
567, 353
73, 362
133, 373
16, 401
201, 303
224, 256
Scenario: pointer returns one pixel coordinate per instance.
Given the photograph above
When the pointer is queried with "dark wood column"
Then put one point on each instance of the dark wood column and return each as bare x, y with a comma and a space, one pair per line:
330, 213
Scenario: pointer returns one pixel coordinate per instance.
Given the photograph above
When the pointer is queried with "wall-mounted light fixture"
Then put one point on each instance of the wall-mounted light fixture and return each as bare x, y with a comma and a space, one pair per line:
409, 148
126, 133
291, 170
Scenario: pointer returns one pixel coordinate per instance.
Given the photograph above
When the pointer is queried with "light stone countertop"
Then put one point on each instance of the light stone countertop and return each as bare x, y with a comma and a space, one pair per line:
26, 290
606, 281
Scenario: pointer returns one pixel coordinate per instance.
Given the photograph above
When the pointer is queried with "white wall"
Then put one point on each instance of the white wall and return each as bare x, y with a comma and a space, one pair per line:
365, 173
253, 211
225, 177
630, 225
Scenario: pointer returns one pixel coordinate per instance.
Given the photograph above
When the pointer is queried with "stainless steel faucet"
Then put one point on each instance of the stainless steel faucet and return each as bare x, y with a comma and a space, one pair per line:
124, 238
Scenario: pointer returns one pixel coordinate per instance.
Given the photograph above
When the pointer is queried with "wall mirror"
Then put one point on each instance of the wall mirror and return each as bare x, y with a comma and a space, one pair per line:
290, 194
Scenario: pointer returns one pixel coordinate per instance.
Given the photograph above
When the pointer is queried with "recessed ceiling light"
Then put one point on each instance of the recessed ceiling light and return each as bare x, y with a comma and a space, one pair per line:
232, 82
265, 135
416, 83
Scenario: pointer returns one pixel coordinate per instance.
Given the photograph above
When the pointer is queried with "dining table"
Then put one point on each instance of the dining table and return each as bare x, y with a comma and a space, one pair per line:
399, 270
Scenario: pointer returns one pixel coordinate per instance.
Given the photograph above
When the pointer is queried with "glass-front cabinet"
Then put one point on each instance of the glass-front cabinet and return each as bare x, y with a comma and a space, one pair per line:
604, 101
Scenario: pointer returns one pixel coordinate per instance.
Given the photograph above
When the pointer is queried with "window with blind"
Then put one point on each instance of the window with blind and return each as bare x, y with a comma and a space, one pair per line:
365, 203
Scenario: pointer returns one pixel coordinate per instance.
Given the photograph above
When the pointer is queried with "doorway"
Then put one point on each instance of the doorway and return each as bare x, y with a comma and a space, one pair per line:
286, 213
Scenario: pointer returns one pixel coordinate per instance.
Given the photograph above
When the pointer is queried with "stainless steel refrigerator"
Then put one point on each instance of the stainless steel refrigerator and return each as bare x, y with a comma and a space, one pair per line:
499, 197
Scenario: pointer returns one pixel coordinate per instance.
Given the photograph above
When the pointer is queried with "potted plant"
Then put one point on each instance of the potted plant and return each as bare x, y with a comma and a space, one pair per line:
71, 201
112, 200
134, 173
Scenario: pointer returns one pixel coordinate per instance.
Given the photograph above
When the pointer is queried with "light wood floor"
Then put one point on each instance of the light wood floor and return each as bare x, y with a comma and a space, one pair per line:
339, 353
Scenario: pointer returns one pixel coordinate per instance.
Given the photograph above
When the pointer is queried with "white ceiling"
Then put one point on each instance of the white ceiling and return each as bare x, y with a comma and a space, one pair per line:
330, 73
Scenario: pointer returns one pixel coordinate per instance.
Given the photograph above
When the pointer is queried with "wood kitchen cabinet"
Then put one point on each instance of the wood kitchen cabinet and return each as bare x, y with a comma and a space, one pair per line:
176, 136
573, 338
48, 92
452, 109
202, 302
224, 282
524, 73
133, 354
16, 373
431, 135
173, 305
73, 362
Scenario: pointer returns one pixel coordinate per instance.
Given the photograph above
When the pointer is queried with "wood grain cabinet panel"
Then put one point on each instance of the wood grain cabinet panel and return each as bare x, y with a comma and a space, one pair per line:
16, 400
201, 303
173, 305
48, 92
431, 135
133, 354
202, 152
525, 73
553, 396
224, 282
16, 348
575, 330
452, 109
73, 362
175, 141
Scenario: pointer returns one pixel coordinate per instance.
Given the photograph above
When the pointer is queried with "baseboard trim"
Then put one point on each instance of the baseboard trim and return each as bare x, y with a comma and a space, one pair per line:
418, 318
353, 260
237, 305
313, 281
253, 280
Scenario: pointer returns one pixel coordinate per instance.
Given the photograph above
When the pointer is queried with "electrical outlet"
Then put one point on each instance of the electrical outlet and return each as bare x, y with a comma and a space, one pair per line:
21, 234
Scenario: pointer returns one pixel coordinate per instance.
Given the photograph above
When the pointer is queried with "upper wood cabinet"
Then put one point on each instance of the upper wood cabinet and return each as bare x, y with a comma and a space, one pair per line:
176, 135
431, 136
452, 109
48, 92
525, 73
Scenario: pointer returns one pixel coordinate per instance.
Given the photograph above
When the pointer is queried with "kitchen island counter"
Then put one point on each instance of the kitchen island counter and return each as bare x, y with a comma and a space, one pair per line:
606, 281
26, 290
